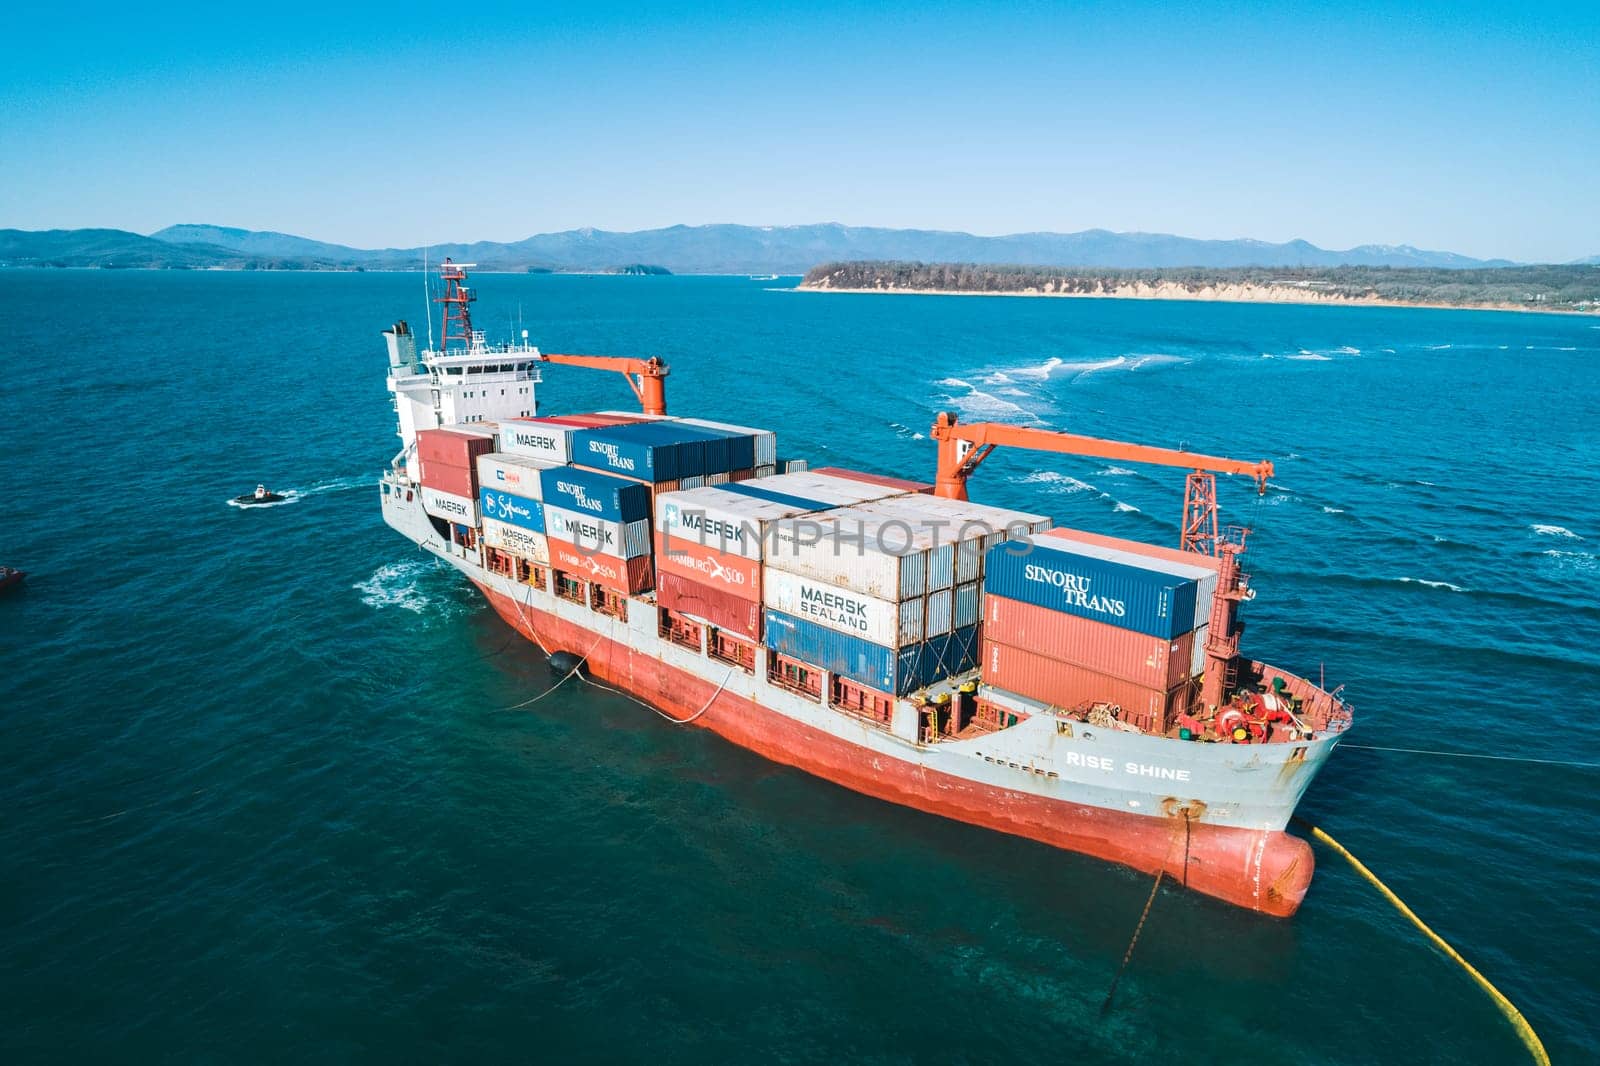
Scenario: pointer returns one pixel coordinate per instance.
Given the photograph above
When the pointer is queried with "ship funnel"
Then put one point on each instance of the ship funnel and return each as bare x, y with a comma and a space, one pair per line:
402, 346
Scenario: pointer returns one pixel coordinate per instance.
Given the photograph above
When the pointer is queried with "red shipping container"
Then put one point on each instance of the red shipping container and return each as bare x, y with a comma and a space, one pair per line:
451, 447
1072, 687
627, 576
1153, 662
597, 420
456, 480
710, 603
875, 479
1149, 551
706, 565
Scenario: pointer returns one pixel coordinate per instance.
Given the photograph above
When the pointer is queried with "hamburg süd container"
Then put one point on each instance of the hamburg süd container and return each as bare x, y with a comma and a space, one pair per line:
709, 603
447, 505
898, 672
1153, 662
514, 540
597, 495
708, 566
1203, 568
511, 508
1075, 688
621, 539
893, 625
627, 576
512, 473
1055, 574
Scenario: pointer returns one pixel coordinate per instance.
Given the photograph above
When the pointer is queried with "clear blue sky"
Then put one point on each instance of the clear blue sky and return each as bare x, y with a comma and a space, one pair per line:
1469, 127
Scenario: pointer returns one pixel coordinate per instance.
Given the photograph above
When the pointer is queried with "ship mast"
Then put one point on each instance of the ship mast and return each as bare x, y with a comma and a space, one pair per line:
457, 301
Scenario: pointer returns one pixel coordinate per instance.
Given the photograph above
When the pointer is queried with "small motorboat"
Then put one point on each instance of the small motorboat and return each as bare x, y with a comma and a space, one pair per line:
10, 578
260, 496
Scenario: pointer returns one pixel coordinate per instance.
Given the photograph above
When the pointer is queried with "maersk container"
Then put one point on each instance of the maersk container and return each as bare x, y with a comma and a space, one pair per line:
1203, 568
898, 672
1074, 688
509, 507
537, 438
764, 441
513, 473
724, 517
514, 540
628, 576
647, 451
856, 548
1154, 662
625, 540
708, 566
452, 508
899, 484
712, 604
456, 446
1052, 573
893, 625
595, 494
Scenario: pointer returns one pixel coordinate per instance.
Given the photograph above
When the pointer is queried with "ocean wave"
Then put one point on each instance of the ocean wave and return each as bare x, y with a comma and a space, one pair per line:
1116, 471
978, 404
395, 585
1583, 561
1127, 508
1431, 584
1059, 482
1332, 510
1040, 372
1438, 347
1554, 531
1347, 350
1312, 357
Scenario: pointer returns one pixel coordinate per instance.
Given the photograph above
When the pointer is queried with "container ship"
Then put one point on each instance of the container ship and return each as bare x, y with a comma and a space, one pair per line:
891, 636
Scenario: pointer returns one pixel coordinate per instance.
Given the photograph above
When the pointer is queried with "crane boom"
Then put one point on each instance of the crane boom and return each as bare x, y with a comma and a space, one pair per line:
646, 377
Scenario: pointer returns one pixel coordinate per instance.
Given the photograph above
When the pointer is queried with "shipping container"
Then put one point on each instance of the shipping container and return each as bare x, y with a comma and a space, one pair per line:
755, 490
899, 484
538, 438
515, 540
824, 488
598, 495
939, 615
1154, 662
893, 625
900, 672
707, 565
722, 518
859, 549
628, 576
647, 451
1203, 568
457, 446
449, 506
737, 450
513, 473
1076, 688
621, 539
509, 507
456, 480
1052, 573
765, 441
968, 604
973, 527
712, 604
792, 466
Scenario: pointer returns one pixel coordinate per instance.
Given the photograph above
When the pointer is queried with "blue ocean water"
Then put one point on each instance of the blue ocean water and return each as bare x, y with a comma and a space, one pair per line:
262, 796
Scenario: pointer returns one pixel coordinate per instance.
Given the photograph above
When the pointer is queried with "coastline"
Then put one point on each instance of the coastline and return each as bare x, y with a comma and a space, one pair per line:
1244, 294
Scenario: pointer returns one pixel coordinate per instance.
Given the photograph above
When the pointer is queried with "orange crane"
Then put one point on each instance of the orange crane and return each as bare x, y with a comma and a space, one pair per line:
646, 377
963, 447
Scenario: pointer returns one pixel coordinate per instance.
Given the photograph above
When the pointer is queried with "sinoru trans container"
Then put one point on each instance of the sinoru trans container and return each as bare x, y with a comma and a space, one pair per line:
1116, 588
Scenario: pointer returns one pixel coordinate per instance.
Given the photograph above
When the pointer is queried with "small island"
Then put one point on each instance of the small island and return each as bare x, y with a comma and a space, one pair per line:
641, 270
1569, 289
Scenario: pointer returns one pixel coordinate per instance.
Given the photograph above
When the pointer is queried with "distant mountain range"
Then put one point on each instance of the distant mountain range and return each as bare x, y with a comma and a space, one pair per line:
716, 249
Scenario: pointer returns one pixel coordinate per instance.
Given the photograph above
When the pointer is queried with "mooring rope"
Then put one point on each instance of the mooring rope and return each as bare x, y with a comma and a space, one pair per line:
1474, 755
1529, 1038
1145, 914
568, 676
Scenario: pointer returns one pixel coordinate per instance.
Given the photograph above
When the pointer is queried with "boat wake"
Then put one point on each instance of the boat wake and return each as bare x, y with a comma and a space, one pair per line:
396, 585
977, 404
338, 484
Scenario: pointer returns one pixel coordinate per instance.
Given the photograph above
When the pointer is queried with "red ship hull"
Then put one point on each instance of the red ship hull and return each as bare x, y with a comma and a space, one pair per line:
1264, 871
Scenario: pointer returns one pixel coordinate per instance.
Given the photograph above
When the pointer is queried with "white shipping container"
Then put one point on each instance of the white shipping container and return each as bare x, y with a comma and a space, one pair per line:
892, 625
941, 612
862, 551
450, 507
1197, 661
769, 470
537, 440
825, 488
597, 536
514, 540
766, 440
516, 474
1205, 575
968, 604
720, 519
973, 527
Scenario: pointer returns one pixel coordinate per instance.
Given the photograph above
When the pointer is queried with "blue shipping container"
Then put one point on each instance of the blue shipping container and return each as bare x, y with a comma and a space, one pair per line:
732, 450
756, 492
649, 451
900, 672
1119, 594
595, 494
508, 507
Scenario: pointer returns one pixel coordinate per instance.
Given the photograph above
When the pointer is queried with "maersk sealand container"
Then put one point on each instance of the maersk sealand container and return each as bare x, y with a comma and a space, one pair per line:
901, 672
598, 495
647, 451
1049, 573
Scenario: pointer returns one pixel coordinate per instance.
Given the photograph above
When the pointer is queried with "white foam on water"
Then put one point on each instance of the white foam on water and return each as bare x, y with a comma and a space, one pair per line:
395, 585
1116, 471
1432, 584
1573, 560
1059, 482
1040, 372
1390, 351
1332, 510
918, 436
1127, 508
1438, 347
1312, 357
1144, 359
977, 404
1348, 350
1554, 531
